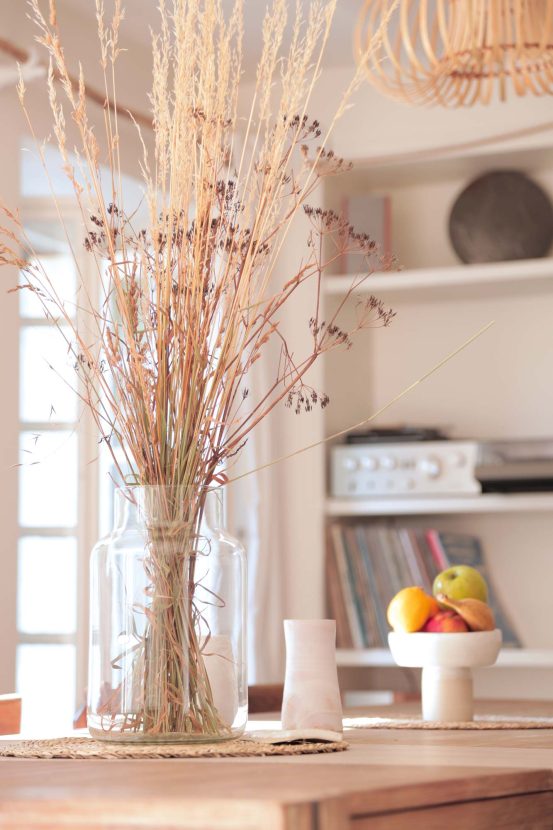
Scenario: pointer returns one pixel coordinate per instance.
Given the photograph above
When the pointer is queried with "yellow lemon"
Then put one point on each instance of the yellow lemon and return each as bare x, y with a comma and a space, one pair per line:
410, 609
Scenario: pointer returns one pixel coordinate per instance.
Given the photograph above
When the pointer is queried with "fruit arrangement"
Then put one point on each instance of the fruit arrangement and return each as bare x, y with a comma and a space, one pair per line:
459, 604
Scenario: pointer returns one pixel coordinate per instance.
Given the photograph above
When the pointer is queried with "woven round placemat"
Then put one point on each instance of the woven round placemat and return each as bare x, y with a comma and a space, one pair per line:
480, 722
89, 748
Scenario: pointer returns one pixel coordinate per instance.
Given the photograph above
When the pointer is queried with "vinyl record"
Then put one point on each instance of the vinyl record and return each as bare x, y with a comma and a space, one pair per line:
502, 215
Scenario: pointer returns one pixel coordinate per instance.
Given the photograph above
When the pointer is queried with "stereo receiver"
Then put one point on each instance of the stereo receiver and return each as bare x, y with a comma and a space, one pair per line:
442, 467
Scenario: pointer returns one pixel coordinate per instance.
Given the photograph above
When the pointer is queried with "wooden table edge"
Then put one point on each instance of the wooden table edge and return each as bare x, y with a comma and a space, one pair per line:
479, 784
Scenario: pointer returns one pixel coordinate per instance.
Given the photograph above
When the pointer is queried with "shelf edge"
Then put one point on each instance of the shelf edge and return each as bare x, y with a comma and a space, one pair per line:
425, 506
500, 273
508, 658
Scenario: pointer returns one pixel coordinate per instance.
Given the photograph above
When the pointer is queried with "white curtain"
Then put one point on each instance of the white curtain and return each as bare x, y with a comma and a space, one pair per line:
253, 517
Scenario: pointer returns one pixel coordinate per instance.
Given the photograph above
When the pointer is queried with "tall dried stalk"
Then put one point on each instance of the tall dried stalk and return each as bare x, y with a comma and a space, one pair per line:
194, 299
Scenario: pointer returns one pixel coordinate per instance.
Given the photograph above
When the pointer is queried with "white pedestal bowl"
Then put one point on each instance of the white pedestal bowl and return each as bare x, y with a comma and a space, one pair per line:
447, 661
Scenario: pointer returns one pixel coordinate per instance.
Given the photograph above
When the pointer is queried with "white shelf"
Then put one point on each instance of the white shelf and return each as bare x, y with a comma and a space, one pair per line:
508, 658
496, 275
429, 505
359, 658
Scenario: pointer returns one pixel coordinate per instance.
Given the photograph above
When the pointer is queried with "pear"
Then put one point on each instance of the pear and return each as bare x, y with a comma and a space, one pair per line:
477, 615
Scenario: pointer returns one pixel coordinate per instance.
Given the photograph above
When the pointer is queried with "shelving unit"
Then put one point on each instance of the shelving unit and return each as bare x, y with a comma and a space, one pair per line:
485, 503
500, 276
498, 390
445, 505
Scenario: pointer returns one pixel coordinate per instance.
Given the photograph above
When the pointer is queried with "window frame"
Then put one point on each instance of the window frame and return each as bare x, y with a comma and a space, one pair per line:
35, 209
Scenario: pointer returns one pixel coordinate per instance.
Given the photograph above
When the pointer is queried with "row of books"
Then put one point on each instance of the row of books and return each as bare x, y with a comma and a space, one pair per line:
368, 563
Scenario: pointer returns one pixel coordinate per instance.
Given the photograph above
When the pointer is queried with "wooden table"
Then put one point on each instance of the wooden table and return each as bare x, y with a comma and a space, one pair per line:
387, 780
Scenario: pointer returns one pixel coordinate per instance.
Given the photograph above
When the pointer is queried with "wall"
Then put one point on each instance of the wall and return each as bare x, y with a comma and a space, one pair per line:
9, 371
374, 126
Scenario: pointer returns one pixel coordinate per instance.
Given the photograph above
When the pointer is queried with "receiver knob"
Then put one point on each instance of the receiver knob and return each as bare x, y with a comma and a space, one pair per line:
431, 466
368, 462
349, 463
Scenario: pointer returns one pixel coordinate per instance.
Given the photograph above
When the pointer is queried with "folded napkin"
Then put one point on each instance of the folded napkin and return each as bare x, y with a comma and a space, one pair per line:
290, 736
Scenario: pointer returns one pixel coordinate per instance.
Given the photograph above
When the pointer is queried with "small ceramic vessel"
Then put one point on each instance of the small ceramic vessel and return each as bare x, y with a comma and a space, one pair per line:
311, 692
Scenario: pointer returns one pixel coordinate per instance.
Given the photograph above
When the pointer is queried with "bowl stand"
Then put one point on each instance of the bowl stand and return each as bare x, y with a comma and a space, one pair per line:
447, 661
447, 694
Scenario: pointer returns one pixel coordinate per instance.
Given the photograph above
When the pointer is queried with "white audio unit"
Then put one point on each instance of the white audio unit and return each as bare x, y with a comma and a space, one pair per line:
417, 468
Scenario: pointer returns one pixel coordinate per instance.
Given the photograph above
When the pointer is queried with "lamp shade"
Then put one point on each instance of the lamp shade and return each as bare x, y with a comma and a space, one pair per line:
457, 52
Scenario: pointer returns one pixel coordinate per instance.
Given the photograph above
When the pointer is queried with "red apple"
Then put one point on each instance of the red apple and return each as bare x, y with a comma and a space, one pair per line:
446, 622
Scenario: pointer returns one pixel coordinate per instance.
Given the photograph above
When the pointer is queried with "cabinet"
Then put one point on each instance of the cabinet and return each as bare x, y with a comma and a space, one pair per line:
499, 387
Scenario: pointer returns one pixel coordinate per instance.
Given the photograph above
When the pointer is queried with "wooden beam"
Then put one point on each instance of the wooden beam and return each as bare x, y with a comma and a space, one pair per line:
99, 98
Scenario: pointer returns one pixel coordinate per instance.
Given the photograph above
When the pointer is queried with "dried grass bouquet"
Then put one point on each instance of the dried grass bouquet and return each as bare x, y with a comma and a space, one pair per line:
194, 298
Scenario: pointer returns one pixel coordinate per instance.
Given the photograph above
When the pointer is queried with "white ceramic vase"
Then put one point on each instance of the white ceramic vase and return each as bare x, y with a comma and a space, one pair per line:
311, 692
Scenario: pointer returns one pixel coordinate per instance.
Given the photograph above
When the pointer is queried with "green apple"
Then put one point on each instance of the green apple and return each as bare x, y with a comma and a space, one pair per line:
461, 582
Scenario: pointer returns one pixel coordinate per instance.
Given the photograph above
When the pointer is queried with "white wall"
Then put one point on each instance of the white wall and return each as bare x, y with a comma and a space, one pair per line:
9, 371
375, 126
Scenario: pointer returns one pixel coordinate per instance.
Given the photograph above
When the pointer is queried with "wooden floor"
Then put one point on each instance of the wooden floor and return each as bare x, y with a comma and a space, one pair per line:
387, 780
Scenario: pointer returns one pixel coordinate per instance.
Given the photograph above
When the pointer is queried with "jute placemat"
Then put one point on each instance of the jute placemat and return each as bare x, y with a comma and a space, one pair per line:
480, 722
89, 748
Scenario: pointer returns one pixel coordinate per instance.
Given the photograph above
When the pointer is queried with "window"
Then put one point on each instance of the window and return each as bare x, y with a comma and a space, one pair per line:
58, 498
61, 508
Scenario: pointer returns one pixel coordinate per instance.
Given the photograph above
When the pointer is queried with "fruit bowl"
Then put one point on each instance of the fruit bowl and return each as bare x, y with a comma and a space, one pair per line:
447, 661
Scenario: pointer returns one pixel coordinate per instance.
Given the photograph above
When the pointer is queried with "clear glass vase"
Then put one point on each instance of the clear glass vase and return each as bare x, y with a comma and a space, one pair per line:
167, 655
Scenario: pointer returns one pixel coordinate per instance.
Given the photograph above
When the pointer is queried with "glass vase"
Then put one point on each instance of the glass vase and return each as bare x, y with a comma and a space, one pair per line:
167, 658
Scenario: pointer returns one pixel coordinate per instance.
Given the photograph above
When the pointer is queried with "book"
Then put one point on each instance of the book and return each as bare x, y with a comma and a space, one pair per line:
386, 583
417, 569
397, 554
421, 543
368, 213
362, 587
463, 549
433, 540
362, 606
380, 612
346, 580
335, 600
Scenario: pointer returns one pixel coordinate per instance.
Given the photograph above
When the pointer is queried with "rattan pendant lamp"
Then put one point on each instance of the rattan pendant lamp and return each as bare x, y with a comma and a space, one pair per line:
458, 52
